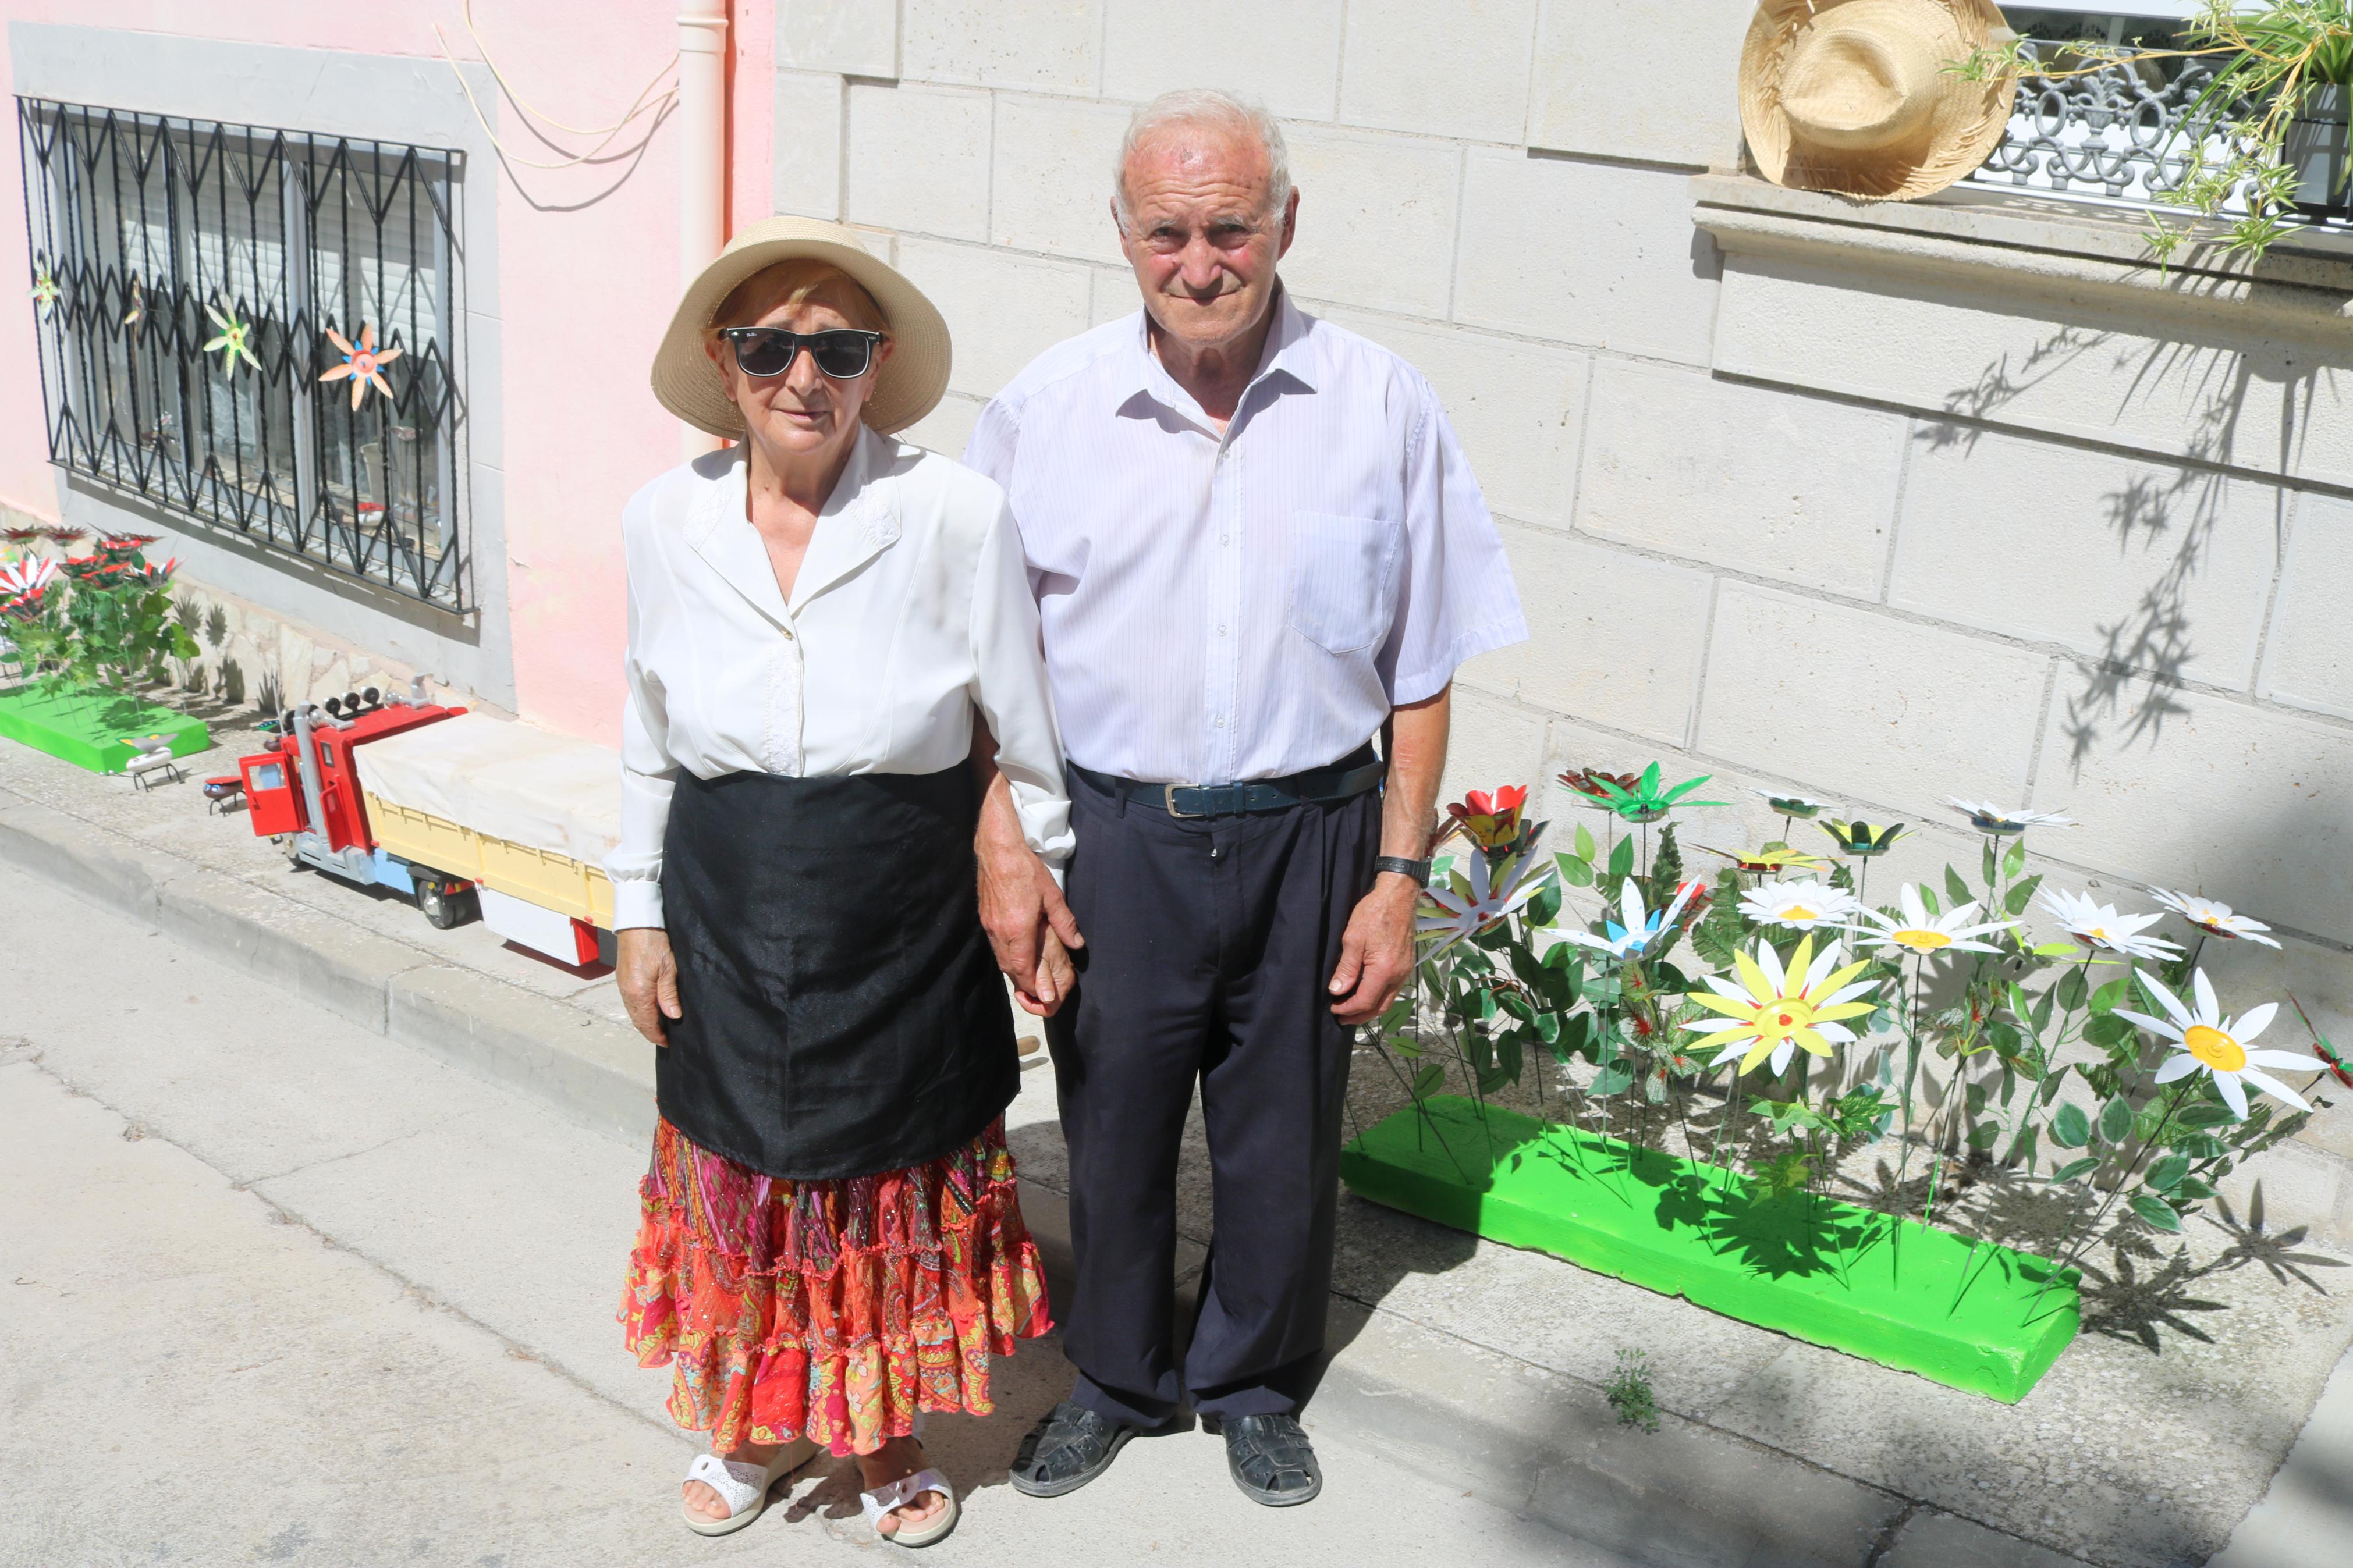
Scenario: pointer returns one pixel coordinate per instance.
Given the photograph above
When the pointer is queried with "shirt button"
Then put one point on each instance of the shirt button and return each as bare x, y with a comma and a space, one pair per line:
1222, 723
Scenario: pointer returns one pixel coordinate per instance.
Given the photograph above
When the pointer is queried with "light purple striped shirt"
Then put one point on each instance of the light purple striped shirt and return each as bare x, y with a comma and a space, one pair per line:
1248, 607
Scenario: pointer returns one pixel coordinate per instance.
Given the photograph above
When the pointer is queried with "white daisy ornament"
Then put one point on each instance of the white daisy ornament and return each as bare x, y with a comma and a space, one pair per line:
1474, 898
1631, 934
1800, 906
2000, 823
1924, 935
2214, 917
2100, 925
2216, 1045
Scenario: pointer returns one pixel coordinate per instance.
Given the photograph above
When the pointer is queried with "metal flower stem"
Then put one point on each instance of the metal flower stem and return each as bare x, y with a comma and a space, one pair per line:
2156, 1140
1911, 1072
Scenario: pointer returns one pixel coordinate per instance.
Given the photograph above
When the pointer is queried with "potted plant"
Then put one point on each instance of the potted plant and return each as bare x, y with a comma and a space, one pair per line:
2270, 130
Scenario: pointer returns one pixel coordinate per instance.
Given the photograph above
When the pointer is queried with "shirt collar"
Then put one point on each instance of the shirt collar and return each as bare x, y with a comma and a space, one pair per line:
1290, 350
858, 521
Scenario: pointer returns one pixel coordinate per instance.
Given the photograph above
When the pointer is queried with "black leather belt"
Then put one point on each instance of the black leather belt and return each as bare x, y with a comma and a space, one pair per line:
1342, 780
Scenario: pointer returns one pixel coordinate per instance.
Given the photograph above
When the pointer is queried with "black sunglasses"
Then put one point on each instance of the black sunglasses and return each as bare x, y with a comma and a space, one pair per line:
844, 353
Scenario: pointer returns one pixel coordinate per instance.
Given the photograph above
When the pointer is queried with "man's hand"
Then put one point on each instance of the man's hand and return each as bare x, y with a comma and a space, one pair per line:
1029, 924
648, 979
1377, 950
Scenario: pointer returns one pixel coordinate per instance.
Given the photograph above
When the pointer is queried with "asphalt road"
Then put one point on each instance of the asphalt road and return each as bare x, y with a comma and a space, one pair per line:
274, 1289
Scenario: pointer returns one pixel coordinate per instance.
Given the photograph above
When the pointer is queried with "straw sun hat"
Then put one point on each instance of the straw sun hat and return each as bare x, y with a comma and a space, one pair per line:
906, 386
1852, 96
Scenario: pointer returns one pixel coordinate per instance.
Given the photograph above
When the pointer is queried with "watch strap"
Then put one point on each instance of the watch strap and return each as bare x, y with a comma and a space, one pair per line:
1418, 870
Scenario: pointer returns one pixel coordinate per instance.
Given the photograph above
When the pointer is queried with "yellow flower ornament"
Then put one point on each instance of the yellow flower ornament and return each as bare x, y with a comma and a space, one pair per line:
1777, 1010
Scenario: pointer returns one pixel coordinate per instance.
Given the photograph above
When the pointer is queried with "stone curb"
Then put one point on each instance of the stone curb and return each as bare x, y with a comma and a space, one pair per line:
1549, 1446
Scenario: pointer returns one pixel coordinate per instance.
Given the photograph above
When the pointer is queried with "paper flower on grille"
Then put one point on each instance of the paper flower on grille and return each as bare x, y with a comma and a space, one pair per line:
365, 364
1794, 805
2214, 918
46, 292
1781, 859
233, 339
1778, 1011
2216, 1045
1800, 906
123, 543
1861, 838
1490, 821
1477, 894
1644, 801
2000, 823
1925, 935
1636, 929
2100, 925
138, 305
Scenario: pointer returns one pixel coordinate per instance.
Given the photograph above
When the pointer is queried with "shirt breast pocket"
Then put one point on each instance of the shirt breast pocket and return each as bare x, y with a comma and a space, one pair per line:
1342, 579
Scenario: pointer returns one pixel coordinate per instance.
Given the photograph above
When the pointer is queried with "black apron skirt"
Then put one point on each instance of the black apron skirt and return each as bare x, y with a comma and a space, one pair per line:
844, 1016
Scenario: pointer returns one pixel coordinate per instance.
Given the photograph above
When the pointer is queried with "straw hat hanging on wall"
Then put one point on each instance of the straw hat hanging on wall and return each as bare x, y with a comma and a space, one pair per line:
1852, 96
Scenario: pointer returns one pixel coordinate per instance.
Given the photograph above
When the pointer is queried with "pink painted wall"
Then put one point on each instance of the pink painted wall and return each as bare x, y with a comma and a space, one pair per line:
587, 276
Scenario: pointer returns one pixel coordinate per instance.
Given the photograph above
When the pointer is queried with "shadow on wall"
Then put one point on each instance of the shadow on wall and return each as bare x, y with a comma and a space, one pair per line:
2131, 688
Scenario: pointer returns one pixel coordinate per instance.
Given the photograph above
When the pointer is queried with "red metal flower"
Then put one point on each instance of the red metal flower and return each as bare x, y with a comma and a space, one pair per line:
1492, 821
1587, 782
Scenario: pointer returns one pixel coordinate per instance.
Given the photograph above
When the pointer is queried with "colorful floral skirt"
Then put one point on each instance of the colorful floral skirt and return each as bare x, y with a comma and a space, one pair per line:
831, 1309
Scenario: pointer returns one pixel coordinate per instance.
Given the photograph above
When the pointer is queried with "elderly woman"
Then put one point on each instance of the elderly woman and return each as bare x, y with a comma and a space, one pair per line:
825, 625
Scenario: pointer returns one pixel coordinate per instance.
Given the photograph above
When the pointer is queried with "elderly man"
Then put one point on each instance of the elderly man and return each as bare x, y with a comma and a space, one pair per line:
1255, 544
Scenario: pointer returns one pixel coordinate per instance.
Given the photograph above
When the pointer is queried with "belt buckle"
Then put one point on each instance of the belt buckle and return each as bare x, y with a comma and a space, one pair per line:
1168, 799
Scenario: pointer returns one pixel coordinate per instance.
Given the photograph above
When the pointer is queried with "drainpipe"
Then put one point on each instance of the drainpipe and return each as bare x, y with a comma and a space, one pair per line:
703, 154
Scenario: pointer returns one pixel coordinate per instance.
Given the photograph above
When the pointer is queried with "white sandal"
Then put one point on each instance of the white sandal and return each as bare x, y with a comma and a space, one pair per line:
743, 1486
898, 1494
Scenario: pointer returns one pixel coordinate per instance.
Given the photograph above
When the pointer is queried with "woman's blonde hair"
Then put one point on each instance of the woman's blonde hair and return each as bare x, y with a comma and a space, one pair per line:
800, 281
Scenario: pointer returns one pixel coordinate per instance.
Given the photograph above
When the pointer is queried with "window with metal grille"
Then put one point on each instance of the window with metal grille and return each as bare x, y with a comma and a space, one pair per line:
256, 329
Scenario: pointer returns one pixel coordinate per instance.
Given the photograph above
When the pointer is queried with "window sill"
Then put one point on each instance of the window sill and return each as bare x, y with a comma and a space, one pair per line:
2036, 243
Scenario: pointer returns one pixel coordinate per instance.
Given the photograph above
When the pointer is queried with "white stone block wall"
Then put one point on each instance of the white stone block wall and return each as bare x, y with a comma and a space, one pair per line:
1812, 525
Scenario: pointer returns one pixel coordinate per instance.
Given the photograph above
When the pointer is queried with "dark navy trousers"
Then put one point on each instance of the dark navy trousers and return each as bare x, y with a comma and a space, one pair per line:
1209, 946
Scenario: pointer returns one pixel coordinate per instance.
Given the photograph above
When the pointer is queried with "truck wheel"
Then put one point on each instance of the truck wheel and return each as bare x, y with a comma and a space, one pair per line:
445, 906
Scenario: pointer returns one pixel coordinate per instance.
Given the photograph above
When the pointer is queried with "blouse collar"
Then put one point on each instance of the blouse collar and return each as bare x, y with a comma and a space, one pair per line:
858, 521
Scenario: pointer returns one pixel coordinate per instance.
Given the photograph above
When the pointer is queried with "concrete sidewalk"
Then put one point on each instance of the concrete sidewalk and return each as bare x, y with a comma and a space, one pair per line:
2147, 1444
277, 1290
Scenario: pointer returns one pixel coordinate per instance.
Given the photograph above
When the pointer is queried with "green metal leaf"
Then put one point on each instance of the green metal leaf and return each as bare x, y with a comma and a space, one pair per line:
2157, 1211
2070, 1128
2168, 1174
2073, 990
2076, 1168
1957, 887
2013, 862
2020, 895
2203, 1113
1612, 1079
2112, 996
1621, 857
2115, 1121
1585, 845
1577, 872
1427, 1081
1989, 864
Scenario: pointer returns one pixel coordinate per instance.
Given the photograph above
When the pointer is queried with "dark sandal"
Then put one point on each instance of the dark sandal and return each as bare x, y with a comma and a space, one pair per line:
1272, 1460
1066, 1450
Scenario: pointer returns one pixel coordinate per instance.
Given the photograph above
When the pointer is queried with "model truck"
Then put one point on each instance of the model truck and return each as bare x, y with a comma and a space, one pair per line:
459, 812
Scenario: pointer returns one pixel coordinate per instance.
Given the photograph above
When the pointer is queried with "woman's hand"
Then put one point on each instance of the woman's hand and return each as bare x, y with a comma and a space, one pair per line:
648, 979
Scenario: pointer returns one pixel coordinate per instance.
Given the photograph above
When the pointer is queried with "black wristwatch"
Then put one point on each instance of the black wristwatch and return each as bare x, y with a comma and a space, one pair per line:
1418, 870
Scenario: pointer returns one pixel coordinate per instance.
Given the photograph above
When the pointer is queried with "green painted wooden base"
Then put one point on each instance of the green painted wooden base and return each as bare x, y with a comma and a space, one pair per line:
94, 730
1974, 1316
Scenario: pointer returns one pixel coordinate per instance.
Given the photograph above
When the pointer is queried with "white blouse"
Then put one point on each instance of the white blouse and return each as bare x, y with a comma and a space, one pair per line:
910, 609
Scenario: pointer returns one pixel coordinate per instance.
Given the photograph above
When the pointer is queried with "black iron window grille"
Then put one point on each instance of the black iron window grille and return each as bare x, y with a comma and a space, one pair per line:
256, 329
